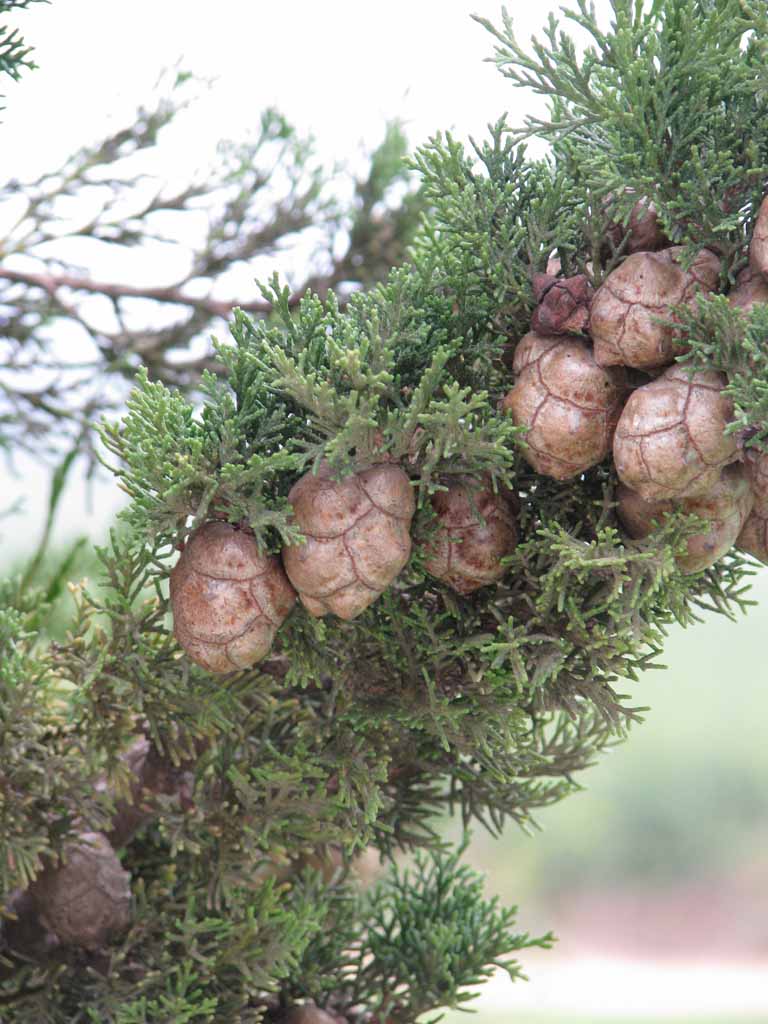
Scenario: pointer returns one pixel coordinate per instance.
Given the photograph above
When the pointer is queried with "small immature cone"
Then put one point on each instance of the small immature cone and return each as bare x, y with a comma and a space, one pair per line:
86, 900
622, 319
645, 231
750, 289
569, 404
476, 530
563, 304
758, 249
726, 507
228, 599
357, 534
670, 440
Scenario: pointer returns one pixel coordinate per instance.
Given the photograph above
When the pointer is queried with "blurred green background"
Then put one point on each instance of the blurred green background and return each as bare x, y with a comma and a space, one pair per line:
663, 858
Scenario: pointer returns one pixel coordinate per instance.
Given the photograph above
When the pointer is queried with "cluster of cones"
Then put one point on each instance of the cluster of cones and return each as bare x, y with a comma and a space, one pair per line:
229, 599
597, 375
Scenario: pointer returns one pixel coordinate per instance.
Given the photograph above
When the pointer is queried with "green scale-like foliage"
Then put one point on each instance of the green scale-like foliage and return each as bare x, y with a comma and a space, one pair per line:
361, 733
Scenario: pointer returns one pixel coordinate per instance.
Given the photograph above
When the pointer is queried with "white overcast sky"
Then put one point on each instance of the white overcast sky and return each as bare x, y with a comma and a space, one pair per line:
338, 70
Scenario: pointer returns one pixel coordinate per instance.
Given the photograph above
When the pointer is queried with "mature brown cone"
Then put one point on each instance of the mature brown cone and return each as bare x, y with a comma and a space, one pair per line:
309, 1013
750, 288
756, 465
645, 231
754, 537
623, 315
357, 534
726, 506
87, 899
563, 304
670, 441
569, 404
476, 530
228, 599
758, 249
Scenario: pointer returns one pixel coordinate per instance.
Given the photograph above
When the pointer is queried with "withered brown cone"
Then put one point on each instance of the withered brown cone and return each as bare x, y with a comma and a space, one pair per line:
754, 537
622, 318
87, 899
726, 507
563, 304
758, 249
670, 440
228, 599
476, 530
644, 228
569, 404
357, 537
750, 288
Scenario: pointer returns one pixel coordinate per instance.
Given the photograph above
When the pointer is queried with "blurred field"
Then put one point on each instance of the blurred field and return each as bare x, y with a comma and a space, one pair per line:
664, 857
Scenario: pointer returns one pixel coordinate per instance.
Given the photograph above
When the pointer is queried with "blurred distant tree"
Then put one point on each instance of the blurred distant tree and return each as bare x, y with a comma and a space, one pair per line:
71, 340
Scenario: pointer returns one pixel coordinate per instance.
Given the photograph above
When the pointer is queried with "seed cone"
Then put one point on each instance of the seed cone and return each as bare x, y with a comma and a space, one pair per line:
750, 289
754, 537
756, 466
228, 599
644, 229
357, 537
569, 404
563, 304
476, 530
623, 315
726, 507
87, 899
758, 249
670, 440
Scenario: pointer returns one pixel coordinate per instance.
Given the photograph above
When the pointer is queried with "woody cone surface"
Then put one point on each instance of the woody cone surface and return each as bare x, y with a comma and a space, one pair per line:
754, 537
750, 288
569, 404
670, 440
644, 231
563, 304
623, 315
228, 600
758, 249
476, 530
726, 507
88, 899
357, 537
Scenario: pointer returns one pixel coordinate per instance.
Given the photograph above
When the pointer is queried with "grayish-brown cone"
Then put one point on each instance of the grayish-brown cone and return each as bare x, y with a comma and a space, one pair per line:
476, 530
623, 315
670, 440
758, 249
644, 229
87, 899
754, 537
569, 404
750, 288
357, 537
228, 599
726, 507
